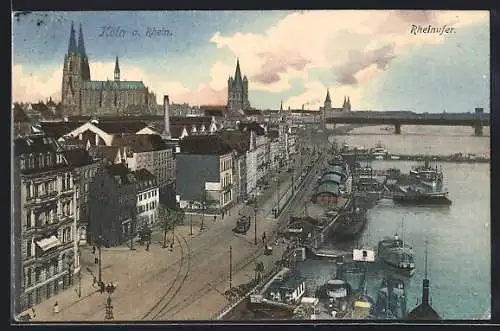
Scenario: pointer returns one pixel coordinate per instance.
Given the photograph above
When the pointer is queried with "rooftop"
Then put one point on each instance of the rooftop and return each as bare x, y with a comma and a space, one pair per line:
78, 157
423, 312
35, 144
59, 129
122, 172
117, 127
328, 187
140, 143
204, 144
252, 126
123, 84
145, 179
239, 141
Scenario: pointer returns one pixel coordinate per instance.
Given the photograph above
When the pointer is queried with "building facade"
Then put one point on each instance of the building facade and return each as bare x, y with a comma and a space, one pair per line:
205, 174
112, 206
45, 257
237, 89
81, 95
84, 169
148, 198
251, 166
150, 152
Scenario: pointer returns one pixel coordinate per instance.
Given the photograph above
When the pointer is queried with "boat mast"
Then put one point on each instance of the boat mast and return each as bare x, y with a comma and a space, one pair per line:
403, 229
425, 272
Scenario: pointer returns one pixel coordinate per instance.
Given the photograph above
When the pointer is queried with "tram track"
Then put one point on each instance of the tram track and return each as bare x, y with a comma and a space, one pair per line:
179, 279
208, 286
176, 284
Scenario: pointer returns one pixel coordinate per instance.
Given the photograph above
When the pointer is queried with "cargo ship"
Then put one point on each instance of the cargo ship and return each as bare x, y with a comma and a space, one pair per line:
350, 224
428, 175
415, 196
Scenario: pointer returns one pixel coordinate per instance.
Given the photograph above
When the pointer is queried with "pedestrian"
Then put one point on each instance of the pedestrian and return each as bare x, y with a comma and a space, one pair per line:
33, 313
147, 246
171, 246
56, 308
93, 249
215, 218
94, 281
96, 260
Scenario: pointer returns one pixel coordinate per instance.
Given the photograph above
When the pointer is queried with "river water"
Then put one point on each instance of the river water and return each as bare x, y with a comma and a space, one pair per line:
458, 236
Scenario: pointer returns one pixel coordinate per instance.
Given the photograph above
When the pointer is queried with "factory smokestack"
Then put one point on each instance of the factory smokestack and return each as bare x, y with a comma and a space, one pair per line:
166, 117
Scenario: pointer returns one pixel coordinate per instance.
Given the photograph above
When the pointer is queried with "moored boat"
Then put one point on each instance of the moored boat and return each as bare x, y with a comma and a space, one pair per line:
415, 196
428, 175
391, 299
396, 254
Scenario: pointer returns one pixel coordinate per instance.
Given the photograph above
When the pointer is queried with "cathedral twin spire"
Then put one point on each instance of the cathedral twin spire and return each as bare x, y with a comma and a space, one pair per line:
117, 70
73, 46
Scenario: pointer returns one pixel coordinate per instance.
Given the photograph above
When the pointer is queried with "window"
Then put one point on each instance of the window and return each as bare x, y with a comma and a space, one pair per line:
28, 248
28, 190
37, 274
28, 276
22, 164
28, 219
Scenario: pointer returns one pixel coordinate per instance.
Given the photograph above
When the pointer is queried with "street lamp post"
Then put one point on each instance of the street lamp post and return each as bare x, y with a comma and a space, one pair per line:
99, 244
110, 288
230, 267
255, 219
191, 220
132, 228
79, 276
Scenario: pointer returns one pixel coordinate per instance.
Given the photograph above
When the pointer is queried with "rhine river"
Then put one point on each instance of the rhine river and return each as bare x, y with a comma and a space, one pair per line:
458, 236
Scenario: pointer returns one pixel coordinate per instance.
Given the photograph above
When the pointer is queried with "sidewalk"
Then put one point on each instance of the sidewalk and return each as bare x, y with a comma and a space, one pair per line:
120, 265
142, 277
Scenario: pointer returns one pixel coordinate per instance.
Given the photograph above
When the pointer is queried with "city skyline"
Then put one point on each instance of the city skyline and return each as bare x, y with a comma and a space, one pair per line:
371, 56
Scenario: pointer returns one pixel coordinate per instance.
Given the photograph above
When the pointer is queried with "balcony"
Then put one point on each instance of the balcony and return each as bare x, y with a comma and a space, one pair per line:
63, 219
47, 227
67, 191
42, 198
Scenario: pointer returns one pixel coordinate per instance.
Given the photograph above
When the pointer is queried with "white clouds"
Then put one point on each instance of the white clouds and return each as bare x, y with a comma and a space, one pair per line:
350, 48
37, 85
306, 37
40, 84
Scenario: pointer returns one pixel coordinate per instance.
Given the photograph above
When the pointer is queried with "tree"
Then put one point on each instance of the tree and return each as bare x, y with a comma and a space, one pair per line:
259, 269
167, 219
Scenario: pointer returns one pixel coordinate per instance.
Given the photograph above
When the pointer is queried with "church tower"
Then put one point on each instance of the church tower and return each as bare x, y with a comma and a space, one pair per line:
347, 104
117, 70
328, 102
72, 75
237, 90
83, 54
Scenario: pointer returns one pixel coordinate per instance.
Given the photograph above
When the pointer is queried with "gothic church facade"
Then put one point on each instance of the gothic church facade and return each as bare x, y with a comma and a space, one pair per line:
237, 89
83, 96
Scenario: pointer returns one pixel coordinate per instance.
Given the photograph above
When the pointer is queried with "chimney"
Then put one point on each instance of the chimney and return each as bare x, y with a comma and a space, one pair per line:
166, 118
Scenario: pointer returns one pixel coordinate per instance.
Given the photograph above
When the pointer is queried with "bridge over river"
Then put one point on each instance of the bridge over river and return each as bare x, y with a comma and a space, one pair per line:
477, 120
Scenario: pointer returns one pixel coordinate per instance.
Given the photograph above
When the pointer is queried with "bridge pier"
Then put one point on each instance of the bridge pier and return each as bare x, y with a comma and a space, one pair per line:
397, 129
478, 127
478, 130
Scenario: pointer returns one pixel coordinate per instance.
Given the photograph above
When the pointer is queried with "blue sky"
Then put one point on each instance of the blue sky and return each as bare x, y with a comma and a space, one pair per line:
292, 56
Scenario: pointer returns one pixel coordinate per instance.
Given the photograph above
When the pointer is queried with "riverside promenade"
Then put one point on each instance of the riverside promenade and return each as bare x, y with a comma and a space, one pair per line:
183, 284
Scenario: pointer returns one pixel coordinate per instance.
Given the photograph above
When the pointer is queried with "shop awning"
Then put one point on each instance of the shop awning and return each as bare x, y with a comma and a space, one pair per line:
48, 243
